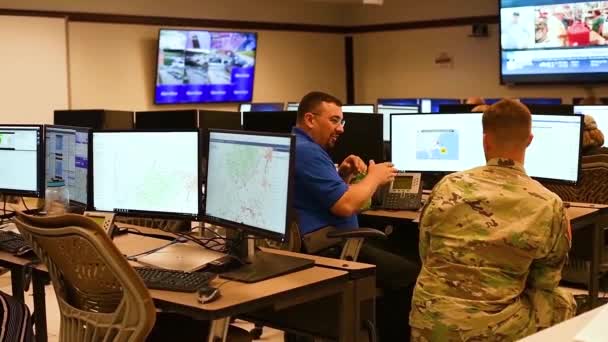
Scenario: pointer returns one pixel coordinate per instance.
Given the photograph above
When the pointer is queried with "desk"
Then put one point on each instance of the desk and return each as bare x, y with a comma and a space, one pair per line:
581, 215
343, 288
565, 331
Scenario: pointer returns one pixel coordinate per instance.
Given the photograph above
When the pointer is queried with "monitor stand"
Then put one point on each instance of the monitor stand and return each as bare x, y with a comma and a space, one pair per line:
258, 265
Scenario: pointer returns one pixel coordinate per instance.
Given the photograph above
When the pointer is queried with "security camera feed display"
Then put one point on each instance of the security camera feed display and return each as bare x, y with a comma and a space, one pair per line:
553, 41
205, 66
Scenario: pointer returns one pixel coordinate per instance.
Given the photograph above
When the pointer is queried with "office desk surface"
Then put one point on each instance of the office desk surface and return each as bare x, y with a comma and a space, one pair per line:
315, 282
565, 331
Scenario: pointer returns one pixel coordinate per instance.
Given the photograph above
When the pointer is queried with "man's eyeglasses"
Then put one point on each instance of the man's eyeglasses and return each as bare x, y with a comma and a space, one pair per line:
334, 120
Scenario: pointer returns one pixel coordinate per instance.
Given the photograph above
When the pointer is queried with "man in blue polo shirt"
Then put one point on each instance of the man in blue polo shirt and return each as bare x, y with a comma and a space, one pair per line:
325, 197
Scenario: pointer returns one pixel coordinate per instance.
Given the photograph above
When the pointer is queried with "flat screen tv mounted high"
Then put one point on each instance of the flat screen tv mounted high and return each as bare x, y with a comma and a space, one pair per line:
167, 119
22, 160
147, 173
68, 158
249, 189
552, 41
599, 113
451, 143
98, 119
196, 66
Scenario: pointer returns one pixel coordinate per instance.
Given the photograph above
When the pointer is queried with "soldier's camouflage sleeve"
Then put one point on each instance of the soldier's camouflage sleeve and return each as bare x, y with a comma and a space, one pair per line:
552, 305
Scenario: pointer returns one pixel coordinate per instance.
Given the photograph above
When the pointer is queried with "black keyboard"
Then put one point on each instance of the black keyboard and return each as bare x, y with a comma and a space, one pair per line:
171, 280
13, 243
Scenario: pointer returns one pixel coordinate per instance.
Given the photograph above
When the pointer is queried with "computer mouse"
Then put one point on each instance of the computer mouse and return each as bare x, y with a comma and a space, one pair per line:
208, 294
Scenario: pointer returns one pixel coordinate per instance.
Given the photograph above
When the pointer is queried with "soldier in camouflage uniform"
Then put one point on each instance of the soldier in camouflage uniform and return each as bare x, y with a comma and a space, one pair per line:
493, 243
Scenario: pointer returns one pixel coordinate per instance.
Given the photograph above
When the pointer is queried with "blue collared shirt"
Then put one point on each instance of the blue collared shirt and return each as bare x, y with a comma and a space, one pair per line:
318, 187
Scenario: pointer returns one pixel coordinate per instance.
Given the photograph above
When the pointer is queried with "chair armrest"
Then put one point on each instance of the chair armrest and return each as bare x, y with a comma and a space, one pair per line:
367, 233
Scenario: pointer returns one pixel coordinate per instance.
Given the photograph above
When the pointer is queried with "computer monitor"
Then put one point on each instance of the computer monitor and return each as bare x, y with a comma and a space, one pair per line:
450, 143
363, 136
358, 108
555, 151
399, 102
387, 110
249, 176
68, 158
456, 108
292, 106
147, 173
432, 105
98, 119
260, 107
166, 119
541, 100
433, 143
276, 122
550, 109
21, 160
577, 100
249, 188
600, 114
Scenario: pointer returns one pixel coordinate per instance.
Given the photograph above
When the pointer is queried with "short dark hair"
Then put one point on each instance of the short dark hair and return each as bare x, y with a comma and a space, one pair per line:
311, 101
509, 120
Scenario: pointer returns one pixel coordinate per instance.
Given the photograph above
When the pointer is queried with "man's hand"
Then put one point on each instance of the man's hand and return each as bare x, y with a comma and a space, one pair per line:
382, 173
351, 166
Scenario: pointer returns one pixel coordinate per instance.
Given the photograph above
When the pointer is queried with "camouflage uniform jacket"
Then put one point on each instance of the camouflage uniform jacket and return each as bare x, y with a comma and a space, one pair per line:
493, 243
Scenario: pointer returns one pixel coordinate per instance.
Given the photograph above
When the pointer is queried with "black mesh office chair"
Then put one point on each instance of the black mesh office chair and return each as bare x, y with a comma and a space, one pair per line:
351, 239
592, 188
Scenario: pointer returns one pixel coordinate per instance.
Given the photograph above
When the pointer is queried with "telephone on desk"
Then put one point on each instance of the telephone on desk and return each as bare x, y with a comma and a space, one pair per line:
403, 193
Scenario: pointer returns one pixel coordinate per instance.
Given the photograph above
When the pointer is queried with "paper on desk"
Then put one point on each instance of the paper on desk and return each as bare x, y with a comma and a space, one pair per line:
181, 256
595, 330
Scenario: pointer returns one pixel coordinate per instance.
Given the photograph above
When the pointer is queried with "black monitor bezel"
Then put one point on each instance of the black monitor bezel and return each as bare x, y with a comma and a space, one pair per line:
40, 167
289, 215
543, 179
152, 214
89, 186
174, 111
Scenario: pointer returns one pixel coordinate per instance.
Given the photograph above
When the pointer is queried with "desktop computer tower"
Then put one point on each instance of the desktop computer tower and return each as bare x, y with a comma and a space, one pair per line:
98, 119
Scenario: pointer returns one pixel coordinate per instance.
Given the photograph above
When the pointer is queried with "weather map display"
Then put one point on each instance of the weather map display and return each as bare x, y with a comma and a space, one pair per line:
205, 66
436, 143
155, 172
248, 179
439, 144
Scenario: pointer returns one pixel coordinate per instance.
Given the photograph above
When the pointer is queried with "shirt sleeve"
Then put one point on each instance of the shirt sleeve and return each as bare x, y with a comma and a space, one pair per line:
319, 175
550, 304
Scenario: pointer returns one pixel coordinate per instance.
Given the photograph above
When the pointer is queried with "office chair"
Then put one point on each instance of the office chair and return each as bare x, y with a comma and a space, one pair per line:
100, 296
162, 224
323, 239
592, 188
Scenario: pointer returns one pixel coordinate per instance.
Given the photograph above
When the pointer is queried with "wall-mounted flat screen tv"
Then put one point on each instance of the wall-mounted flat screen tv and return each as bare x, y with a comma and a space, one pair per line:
550, 41
205, 66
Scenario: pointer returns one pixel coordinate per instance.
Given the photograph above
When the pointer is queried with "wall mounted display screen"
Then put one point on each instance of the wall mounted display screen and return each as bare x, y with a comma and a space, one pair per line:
205, 66
553, 41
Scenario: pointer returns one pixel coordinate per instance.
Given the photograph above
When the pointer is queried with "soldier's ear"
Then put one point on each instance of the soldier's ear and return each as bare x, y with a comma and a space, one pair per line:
530, 138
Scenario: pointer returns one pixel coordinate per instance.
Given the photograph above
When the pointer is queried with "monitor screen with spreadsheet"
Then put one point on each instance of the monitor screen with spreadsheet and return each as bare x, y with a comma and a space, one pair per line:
21, 160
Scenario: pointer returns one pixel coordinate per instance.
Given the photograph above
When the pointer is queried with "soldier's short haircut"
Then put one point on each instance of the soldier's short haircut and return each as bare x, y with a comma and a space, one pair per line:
311, 101
509, 121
